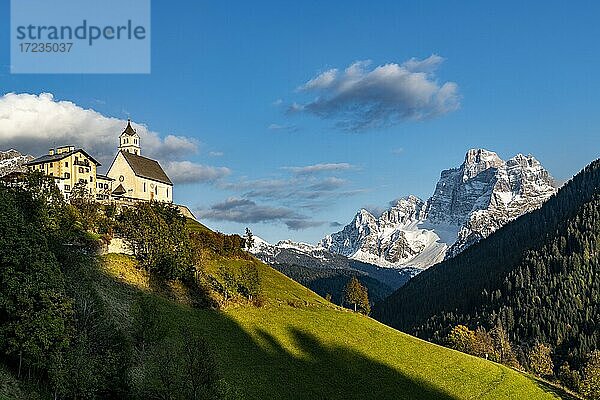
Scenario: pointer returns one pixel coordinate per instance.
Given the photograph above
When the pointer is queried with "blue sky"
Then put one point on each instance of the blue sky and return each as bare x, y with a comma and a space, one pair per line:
224, 74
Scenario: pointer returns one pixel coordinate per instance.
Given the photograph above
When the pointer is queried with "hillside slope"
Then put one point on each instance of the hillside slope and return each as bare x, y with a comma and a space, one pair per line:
538, 277
298, 346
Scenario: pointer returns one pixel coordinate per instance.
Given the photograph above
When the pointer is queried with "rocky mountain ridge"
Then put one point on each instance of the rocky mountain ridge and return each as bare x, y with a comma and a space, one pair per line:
468, 204
12, 160
304, 255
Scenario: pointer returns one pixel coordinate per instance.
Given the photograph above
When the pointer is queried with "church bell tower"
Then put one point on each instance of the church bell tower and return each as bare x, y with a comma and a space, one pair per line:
129, 140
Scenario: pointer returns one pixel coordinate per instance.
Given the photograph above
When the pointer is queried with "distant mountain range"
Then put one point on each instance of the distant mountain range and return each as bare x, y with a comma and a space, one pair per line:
12, 160
328, 273
468, 204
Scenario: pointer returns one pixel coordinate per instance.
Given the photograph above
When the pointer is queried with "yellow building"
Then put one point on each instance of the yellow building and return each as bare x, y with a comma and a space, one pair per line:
68, 166
130, 177
137, 177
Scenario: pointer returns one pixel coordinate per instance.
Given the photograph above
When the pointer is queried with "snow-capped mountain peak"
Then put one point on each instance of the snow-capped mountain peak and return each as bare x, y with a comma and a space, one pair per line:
12, 160
477, 161
469, 203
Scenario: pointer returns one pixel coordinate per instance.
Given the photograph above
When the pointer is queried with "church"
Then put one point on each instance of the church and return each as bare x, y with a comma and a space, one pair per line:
131, 176
136, 177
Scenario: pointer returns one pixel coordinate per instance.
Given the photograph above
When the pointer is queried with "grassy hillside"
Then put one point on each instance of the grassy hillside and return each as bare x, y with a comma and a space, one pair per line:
300, 346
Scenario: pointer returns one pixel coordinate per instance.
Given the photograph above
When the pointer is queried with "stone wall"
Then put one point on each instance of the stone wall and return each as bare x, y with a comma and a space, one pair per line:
116, 245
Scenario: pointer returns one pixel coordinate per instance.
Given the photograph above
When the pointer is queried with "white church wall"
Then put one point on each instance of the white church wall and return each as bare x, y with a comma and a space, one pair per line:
138, 187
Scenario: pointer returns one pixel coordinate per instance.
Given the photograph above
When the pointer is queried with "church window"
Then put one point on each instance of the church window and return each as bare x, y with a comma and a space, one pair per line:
144, 186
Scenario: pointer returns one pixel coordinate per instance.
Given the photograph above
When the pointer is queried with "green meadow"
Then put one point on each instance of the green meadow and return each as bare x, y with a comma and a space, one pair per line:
299, 346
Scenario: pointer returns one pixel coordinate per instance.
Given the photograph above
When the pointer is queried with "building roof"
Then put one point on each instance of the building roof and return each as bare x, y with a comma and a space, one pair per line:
120, 190
129, 129
106, 178
57, 157
146, 168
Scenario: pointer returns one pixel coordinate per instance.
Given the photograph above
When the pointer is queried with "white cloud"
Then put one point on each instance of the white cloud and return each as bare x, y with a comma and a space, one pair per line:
321, 81
359, 98
316, 168
243, 210
33, 123
189, 172
429, 65
285, 128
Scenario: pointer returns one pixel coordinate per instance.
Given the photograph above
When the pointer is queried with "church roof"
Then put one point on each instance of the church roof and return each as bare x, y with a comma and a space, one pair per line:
104, 177
129, 129
146, 168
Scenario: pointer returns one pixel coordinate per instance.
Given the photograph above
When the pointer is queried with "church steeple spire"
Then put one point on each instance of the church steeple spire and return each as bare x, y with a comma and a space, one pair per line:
129, 129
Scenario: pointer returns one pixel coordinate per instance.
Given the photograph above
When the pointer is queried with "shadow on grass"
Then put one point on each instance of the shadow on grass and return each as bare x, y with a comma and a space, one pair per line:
256, 365
259, 367
336, 372
555, 390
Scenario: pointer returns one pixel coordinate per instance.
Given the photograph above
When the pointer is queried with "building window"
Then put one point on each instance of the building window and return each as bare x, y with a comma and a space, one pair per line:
156, 190
81, 170
167, 193
91, 179
66, 164
144, 187
67, 175
67, 187
50, 165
